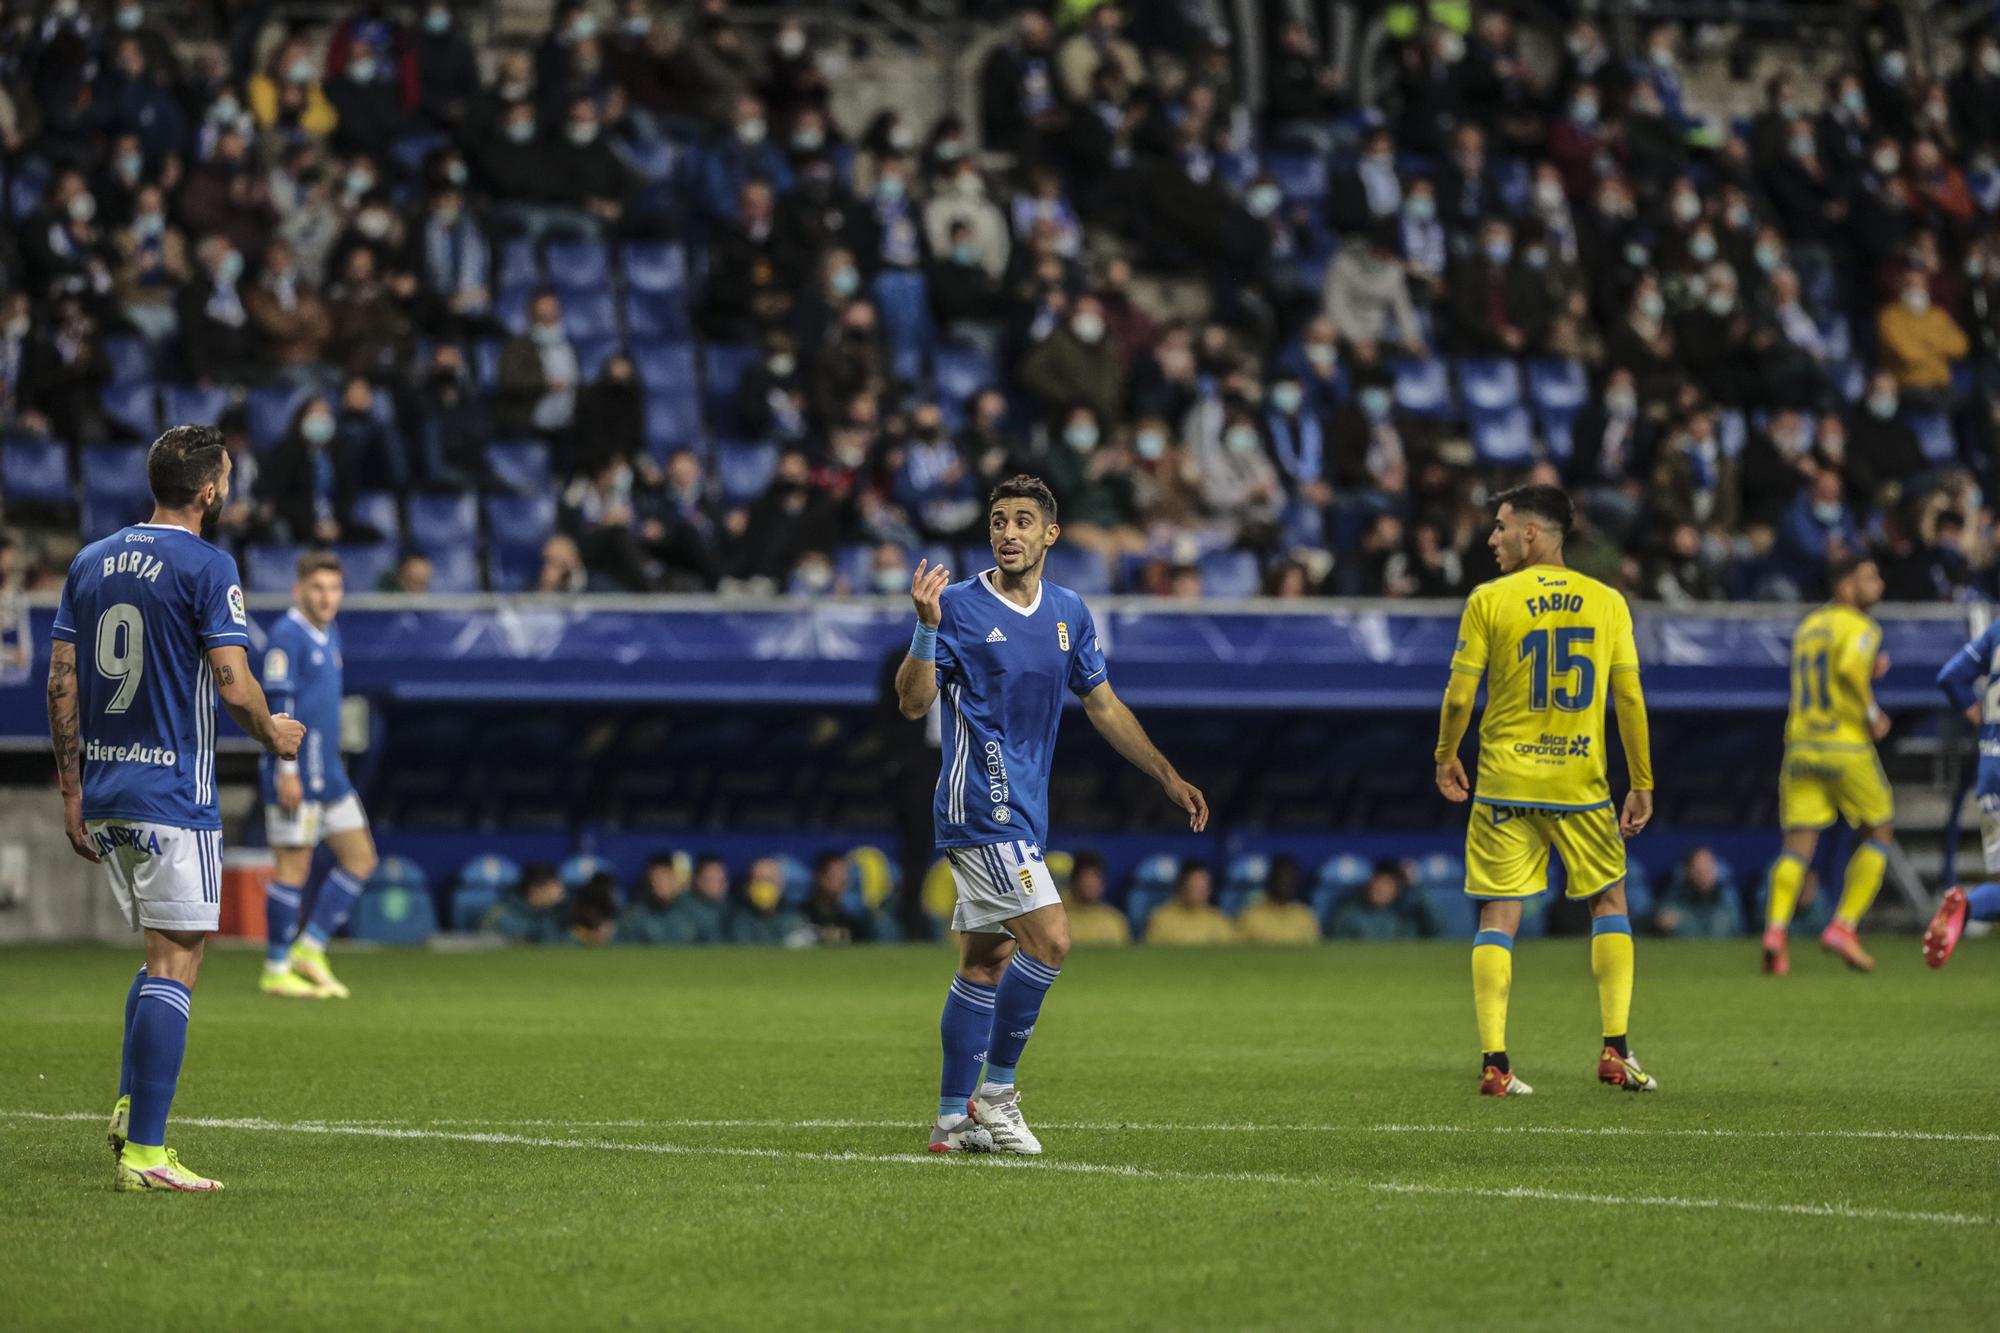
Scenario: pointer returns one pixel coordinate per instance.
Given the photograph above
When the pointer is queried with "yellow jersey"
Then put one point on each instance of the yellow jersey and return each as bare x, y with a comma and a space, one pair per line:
1548, 641
1833, 678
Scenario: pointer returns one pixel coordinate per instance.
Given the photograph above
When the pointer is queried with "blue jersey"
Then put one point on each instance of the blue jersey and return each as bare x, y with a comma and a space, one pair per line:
1002, 671
1979, 658
302, 677
143, 607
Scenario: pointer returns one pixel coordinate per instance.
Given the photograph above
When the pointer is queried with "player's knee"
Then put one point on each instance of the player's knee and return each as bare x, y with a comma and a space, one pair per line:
1611, 902
986, 974
361, 864
1054, 947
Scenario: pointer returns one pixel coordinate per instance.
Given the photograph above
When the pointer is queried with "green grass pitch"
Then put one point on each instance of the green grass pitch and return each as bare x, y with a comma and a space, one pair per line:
1249, 1140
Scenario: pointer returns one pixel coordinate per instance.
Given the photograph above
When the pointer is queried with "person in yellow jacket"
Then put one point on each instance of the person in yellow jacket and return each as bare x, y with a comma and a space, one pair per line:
1189, 918
1277, 916
1920, 341
1092, 921
288, 93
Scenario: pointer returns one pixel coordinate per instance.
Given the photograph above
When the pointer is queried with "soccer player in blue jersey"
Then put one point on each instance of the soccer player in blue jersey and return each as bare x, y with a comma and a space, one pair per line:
149, 630
309, 799
1978, 660
1001, 650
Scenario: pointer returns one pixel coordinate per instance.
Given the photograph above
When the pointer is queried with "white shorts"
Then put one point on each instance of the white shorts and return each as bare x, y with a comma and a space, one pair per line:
164, 877
1989, 831
313, 820
998, 882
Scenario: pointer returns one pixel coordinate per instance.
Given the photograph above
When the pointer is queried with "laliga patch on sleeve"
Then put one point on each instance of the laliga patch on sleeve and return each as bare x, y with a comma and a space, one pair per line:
236, 612
276, 665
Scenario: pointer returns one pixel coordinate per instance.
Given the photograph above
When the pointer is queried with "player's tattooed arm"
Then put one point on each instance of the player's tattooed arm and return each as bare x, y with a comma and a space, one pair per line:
1115, 722
66, 736
244, 698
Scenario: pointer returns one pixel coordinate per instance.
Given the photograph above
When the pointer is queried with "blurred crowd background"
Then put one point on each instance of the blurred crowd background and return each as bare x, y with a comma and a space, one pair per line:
626, 305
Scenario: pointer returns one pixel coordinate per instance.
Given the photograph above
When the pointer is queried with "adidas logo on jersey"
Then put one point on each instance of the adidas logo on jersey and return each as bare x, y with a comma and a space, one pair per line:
996, 636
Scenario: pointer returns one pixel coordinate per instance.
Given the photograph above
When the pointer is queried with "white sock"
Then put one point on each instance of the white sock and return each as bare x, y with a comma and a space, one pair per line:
947, 1121
990, 1089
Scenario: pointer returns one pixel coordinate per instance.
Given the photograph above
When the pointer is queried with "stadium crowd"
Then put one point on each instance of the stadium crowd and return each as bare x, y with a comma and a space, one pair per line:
631, 310
845, 898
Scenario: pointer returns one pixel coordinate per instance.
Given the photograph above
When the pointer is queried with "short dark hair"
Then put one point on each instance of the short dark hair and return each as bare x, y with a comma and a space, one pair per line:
535, 874
1083, 861
1187, 869
316, 562
1844, 567
183, 461
1547, 503
1024, 487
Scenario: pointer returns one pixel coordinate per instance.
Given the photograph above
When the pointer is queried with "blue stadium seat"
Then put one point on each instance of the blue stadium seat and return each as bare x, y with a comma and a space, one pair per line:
963, 372
579, 868
1515, 182
665, 366
128, 358
379, 510
657, 268
742, 470
455, 569
1450, 913
26, 184
1488, 383
1152, 884
268, 412
273, 567
797, 880
521, 466
409, 151
853, 563
723, 367
521, 520
1339, 876
116, 473
1243, 881
1423, 387
1934, 436
1087, 572
510, 307
394, 913
903, 302
469, 905
363, 565
673, 421
193, 405
589, 315
1558, 428
490, 871
1505, 438
132, 408
594, 354
486, 362
657, 315
443, 522
580, 266
1227, 574
516, 268
652, 160
1441, 870
1302, 176
1558, 386
35, 472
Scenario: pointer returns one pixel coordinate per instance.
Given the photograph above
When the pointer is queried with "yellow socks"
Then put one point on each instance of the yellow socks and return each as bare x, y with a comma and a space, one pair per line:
1492, 979
1788, 876
1864, 880
1611, 964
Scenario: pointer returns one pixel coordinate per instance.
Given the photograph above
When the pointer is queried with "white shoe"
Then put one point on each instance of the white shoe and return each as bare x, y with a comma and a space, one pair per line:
999, 1114
964, 1135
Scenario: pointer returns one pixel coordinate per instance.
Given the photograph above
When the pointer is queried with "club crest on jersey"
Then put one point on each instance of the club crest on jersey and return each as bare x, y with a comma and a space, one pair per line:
1027, 880
1001, 814
1062, 635
236, 612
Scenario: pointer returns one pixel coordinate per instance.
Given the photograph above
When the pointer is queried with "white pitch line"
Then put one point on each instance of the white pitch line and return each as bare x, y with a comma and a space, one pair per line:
1642, 1131
1002, 1161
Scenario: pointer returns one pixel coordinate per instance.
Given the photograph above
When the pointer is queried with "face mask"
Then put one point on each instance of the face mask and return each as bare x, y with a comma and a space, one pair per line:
1687, 208
1663, 57
889, 189
1240, 439
751, 131
303, 70
455, 172
902, 138
361, 71
514, 90
791, 43
1621, 402
1702, 248
548, 335
360, 182
1535, 257
1989, 61
1263, 200
949, 150
1894, 66
965, 253
17, 327
1548, 195
968, 185
1583, 111
1721, 303
1287, 398
583, 132
1375, 402
1451, 50
225, 108
1652, 305
130, 165
1853, 102
1882, 405
445, 215
846, 281
636, 26
1421, 208
1739, 217
520, 131
1080, 436
1321, 355
373, 224
317, 428
130, 17
230, 267
1886, 162
1088, 328
437, 20
1826, 511
1916, 300
1769, 257
808, 140
1499, 252
82, 208
782, 364
1150, 444
584, 28
149, 224
1803, 146
891, 580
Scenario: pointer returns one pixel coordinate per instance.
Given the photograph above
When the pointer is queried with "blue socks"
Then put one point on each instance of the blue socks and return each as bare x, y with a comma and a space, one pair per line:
968, 1019
125, 1058
281, 921
335, 904
157, 1040
1983, 903
1017, 1003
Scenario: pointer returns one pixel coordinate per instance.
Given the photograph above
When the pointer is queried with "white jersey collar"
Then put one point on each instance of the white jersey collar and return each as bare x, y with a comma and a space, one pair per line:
986, 581
318, 636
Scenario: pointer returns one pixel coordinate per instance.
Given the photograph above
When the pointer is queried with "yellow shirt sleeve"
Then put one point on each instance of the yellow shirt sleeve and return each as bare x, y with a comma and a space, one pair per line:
1854, 669
1473, 630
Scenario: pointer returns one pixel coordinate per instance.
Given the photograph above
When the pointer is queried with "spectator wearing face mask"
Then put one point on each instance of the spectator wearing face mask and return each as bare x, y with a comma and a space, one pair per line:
600, 511
1611, 447
1021, 108
852, 365
1098, 42
450, 425
788, 519
538, 377
1372, 193
150, 265
1239, 482
1298, 438
131, 98
1920, 343
718, 63
446, 68
593, 181
966, 300
1090, 467
1076, 365
1723, 341
1881, 447
741, 152
611, 416
372, 333
287, 95
217, 339
686, 528
368, 100
1498, 308
1371, 446
933, 484
454, 264
820, 214
963, 198
1580, 150
750, 278
770, 400
311, 480
1642, 342
1818, 528
762, 917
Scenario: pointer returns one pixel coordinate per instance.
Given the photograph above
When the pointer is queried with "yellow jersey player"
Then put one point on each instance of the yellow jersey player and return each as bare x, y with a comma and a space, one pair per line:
1830, 763
1551, 644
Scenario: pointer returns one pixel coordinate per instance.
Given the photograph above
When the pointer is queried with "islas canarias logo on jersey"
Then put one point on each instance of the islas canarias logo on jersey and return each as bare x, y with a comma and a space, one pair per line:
1062, 635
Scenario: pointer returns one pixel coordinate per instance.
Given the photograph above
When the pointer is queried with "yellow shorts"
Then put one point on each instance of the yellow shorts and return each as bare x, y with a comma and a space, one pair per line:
1507, 849
1817, 784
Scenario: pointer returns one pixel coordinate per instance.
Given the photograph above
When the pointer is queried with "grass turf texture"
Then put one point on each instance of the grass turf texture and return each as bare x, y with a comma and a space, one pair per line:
1223, 1225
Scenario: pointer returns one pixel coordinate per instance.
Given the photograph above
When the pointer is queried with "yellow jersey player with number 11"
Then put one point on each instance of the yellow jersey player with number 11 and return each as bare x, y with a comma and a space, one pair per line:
1552, 644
